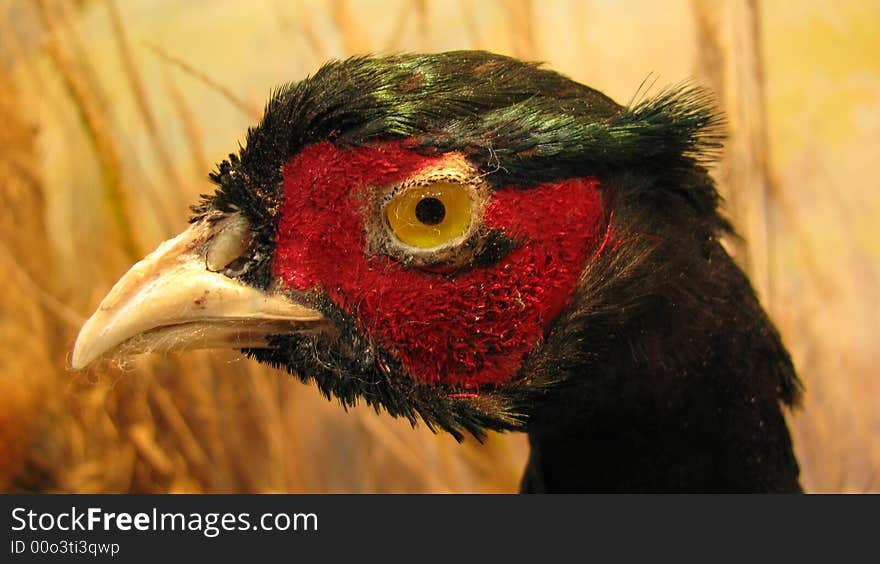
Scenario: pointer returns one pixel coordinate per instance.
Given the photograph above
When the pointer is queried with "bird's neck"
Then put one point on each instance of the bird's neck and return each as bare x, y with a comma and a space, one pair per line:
698, 449
689, 398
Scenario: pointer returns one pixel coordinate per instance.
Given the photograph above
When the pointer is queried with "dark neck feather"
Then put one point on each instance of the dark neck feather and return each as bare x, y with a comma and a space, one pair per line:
709, 436
672, 377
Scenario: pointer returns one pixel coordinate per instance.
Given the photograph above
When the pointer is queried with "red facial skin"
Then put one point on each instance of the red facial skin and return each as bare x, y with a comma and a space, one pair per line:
470, 328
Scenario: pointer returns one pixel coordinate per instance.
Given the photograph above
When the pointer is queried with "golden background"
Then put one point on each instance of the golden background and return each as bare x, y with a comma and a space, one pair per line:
113, 112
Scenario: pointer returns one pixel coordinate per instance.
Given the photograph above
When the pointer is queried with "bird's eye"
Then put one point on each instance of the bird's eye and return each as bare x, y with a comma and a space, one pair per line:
232, 240
430, 216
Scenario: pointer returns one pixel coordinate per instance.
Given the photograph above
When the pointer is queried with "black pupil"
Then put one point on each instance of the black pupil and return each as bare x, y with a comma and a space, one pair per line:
430, 211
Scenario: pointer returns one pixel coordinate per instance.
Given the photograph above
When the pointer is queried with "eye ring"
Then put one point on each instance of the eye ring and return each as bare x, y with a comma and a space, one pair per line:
430, 216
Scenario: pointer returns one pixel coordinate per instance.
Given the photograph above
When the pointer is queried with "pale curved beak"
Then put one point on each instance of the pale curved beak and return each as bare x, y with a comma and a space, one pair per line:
171, 301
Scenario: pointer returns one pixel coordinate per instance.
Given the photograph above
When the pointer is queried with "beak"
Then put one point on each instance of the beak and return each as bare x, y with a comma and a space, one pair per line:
171, 301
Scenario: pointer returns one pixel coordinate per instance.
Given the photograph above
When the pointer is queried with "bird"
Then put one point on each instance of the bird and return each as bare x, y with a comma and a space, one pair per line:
480, 243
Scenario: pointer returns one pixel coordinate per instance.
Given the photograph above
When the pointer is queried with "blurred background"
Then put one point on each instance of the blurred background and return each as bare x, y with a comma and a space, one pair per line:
113, 112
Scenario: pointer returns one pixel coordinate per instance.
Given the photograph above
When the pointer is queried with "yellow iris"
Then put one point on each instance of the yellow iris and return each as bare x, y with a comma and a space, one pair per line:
429, 216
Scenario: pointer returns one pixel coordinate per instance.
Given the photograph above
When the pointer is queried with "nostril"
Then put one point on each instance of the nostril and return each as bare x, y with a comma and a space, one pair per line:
231, 242
237, 267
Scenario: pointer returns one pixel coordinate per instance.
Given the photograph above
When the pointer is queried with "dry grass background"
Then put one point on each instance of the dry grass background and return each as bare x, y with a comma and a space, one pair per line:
113, 112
